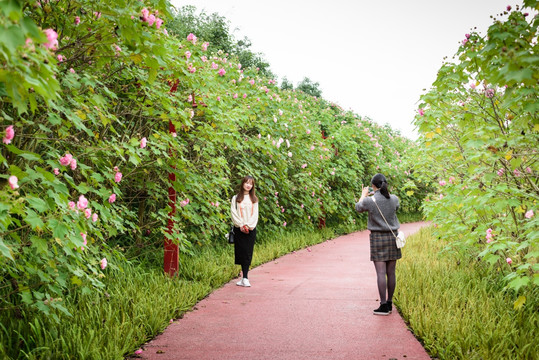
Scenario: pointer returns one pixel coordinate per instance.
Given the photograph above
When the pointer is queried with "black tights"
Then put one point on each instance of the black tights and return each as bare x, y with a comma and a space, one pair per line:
386, 269
245, 270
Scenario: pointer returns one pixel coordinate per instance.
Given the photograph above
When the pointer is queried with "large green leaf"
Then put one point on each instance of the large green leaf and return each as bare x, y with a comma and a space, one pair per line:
5, 251
11, 8
38, 204
34, 220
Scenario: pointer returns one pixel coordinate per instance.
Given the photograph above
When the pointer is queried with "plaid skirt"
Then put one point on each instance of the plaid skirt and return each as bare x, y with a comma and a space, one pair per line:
383, 246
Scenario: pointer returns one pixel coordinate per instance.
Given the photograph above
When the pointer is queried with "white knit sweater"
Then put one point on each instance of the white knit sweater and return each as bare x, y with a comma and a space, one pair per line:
245, 213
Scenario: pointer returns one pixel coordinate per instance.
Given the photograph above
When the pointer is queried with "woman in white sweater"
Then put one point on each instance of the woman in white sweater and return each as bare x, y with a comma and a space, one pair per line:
244, 211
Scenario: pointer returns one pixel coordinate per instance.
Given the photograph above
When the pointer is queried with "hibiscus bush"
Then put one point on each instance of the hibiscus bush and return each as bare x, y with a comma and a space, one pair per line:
479, 134
100, 107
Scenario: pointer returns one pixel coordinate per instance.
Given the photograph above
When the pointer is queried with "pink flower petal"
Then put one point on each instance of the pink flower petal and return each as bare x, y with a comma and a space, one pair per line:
13, 182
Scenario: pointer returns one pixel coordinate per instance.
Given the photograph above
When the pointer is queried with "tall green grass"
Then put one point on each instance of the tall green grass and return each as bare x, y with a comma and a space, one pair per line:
459, 309
135, 308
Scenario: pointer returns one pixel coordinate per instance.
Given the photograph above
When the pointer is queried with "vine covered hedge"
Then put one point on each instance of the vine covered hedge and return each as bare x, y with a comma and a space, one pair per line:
99, 104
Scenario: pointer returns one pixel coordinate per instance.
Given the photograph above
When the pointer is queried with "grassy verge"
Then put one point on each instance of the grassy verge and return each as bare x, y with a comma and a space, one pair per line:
459, 309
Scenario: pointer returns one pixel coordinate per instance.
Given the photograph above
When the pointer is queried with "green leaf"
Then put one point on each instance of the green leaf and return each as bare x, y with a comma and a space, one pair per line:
4, 207
12, 38
152, 75
98, 177
86, 290
5, 251
3, 91
491, 258
38, 204
34, 220
83, 188
60, 230
30, 27
60, 188
11, 8
532, 107
59, 306
48, 175
530, 3
76, 281
40, 244
134, 159
519, 75
519, 282
26, 297
54, 119
44, 128
519, 302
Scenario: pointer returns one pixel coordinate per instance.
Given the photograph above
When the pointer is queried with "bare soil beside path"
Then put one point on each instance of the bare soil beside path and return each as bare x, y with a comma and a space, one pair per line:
315, 303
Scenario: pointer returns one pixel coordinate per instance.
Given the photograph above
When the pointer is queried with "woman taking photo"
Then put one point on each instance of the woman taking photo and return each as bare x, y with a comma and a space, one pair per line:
244, 210
384, 251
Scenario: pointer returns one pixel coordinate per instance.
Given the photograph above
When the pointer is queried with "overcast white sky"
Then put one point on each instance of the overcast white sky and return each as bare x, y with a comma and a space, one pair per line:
371, 57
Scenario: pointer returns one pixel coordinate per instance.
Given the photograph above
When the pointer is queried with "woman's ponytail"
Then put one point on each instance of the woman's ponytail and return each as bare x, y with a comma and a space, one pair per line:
380, 182
384, 191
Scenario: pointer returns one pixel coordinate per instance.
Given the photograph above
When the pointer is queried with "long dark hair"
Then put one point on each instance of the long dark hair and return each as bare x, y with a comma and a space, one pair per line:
252, 192
380, 182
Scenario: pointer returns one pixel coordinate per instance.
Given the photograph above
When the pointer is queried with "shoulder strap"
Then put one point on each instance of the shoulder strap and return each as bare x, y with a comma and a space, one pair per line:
383, 217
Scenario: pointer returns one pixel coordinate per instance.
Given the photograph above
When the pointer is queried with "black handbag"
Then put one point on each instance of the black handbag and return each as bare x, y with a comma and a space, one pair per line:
231, 235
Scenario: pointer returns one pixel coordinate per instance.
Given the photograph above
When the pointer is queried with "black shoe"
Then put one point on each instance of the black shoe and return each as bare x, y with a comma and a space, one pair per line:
384, 309
390, 305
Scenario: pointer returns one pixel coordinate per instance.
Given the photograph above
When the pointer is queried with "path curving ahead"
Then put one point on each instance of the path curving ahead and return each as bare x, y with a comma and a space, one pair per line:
311, 304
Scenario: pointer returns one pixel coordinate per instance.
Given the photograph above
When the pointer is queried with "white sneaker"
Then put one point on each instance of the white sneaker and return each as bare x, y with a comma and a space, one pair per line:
240, 283
246, 282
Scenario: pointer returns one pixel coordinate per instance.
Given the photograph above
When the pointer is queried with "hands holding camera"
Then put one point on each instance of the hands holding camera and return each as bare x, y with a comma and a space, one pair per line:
364, 192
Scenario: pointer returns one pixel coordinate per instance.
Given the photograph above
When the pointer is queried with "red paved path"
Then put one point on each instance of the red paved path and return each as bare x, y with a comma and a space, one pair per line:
312, 304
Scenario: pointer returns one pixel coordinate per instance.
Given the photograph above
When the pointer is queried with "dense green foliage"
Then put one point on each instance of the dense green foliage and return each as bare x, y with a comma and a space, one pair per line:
458, 308
89, 92
480, 129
